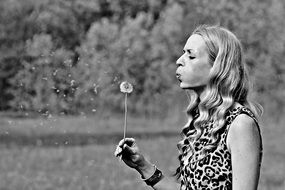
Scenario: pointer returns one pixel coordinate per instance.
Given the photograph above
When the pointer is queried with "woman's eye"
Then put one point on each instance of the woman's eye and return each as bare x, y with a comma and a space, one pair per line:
191, 57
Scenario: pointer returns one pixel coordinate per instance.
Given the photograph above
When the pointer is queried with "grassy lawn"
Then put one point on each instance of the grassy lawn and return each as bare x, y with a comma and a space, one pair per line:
90, 164
87, 167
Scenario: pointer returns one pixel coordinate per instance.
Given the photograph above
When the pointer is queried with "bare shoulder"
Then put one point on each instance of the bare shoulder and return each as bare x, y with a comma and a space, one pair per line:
243, 123
243, 130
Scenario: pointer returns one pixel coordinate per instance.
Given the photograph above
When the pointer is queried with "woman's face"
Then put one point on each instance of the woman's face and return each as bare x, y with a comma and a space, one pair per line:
194, 65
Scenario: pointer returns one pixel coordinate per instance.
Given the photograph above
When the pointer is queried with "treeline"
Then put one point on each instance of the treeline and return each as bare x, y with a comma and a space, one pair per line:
68, 56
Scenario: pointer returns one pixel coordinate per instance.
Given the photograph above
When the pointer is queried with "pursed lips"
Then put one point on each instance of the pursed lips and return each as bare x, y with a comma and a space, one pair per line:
178, 76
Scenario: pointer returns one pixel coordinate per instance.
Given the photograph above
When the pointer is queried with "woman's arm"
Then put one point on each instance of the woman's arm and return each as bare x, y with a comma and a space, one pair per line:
244, 143
166, 183
129, 152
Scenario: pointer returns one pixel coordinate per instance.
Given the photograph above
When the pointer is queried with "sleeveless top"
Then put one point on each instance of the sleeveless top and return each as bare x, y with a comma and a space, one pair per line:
212, 170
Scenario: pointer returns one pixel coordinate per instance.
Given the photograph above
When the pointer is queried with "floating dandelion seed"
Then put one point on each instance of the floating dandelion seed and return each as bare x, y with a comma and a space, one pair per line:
72, 82
55, 72
126, 88
115, 79
95, 86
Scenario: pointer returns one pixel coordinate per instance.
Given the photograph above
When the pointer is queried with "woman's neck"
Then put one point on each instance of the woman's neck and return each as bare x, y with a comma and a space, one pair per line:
199, 90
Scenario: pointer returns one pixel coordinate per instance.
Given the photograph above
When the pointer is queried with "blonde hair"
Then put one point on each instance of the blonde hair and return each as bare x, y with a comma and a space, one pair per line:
228, 83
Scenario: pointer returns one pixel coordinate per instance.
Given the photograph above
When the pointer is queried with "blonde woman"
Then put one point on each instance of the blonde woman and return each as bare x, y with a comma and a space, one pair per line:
221, 146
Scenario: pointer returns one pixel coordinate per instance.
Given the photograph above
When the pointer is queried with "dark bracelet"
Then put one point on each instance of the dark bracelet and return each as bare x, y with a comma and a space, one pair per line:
155, 178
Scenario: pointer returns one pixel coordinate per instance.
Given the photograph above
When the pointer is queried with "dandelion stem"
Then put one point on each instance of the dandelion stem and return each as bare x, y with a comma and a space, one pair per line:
126, 111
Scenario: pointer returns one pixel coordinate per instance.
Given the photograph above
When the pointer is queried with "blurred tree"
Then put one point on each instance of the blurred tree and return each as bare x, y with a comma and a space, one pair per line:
85, 48
16, 25
138, 53
93, 65
43, 82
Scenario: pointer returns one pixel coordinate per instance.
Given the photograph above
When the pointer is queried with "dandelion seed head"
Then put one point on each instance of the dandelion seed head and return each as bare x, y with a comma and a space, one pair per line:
126, 87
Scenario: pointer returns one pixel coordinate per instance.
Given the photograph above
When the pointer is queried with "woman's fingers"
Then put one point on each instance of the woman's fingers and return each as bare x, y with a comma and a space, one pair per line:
128, 150
118, 151
127, 142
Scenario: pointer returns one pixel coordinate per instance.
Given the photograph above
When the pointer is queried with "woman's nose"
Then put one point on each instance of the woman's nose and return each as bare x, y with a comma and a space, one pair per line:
179, 61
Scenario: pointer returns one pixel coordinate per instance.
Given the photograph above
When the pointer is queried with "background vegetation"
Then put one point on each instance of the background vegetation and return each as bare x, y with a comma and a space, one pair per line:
70, 55
61, 63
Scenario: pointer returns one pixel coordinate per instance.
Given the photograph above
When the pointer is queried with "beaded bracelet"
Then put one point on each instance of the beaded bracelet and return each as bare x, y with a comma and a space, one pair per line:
155, 178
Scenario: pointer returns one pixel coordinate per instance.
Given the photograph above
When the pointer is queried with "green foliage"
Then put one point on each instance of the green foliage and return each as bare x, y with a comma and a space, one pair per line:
71, 55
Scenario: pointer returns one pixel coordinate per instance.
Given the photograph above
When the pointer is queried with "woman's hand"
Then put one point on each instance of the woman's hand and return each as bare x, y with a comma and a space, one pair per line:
129, 152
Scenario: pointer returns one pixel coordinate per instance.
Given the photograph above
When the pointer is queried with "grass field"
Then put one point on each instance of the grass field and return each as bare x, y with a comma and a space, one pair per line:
77, 152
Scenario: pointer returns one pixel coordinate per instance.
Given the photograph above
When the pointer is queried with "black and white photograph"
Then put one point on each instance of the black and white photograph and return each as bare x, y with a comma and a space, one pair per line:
137, 95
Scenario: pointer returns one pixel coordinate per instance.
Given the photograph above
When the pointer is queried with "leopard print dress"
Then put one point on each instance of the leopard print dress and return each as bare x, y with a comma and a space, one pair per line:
213, 171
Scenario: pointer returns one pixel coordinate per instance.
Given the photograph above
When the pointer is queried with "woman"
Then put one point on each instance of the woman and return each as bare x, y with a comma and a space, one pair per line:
221, 146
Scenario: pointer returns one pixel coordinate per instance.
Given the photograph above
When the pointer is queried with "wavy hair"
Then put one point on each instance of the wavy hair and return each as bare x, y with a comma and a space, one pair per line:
228, 83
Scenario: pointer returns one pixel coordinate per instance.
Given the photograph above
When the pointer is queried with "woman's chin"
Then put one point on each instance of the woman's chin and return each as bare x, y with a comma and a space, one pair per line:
183, 85
192, 87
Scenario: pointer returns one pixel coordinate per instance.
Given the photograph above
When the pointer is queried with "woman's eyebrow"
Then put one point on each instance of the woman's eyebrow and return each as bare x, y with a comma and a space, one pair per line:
189, 51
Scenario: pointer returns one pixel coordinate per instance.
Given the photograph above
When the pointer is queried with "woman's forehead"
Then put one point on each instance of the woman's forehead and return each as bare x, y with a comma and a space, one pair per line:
195, 44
